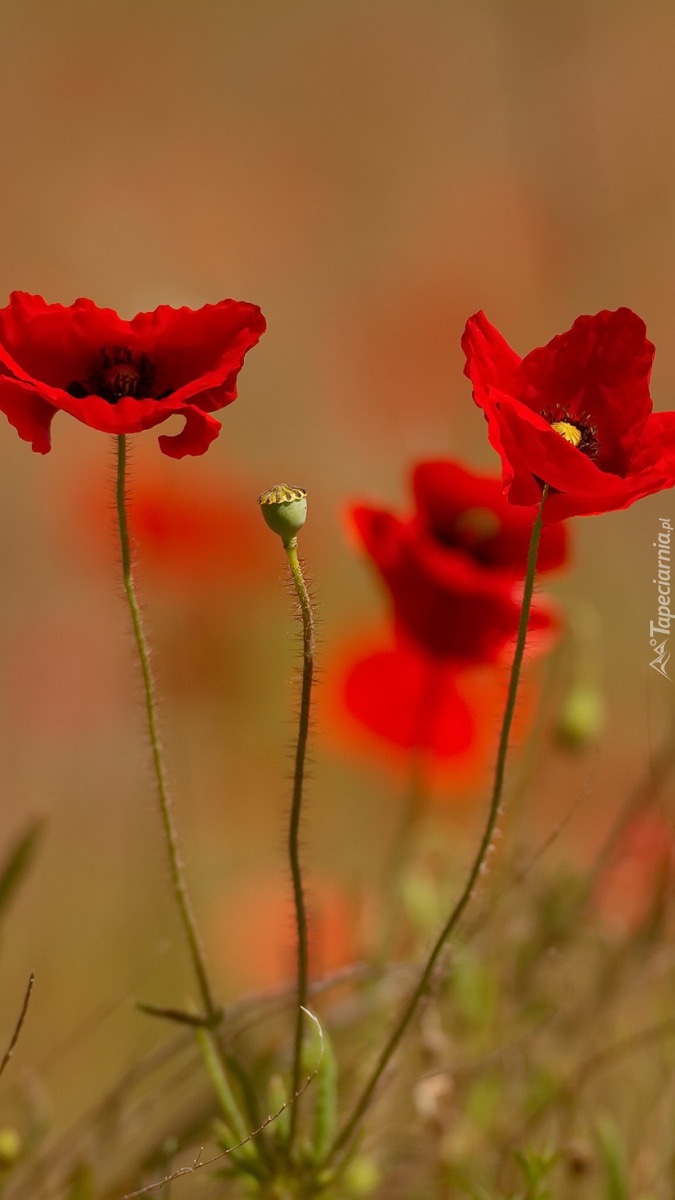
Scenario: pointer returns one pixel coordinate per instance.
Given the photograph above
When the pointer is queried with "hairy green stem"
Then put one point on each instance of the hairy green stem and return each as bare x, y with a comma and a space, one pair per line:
291, 548
245, 1156
207, 1039
493, 812
168, 824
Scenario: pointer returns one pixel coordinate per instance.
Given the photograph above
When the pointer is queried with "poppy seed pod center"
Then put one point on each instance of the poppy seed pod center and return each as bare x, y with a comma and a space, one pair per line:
570, 432
122, 379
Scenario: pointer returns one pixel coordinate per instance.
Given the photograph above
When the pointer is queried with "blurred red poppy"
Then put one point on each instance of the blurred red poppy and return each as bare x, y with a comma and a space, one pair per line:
575, 414
122, 376
453, 568
633, 889
395, 701
190, 528
254, 931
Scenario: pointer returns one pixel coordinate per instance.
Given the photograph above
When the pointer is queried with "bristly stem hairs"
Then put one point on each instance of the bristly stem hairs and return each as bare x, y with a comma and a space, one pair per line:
206, 1038
165, 807
284, 510
291, 548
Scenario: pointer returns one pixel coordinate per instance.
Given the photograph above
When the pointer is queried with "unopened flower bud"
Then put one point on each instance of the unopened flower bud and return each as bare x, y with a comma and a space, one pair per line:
361, 1176
10, 1146
285, 510
581, 717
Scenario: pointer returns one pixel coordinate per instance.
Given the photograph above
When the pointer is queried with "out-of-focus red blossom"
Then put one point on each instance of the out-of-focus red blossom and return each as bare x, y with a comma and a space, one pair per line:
394, 702
193, 531
453, 567
122, 376
253, 931
641, 874
62, 680
575, 414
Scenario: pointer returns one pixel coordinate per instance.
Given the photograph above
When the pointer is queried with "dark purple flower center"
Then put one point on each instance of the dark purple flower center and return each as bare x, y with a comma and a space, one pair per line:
115, 373
472, 531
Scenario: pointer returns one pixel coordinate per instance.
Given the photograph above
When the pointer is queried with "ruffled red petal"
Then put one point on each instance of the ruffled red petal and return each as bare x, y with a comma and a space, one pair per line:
200, 350
601, 367
30, 415
490, 361
652, 465
379, 532
54, 344
195, 437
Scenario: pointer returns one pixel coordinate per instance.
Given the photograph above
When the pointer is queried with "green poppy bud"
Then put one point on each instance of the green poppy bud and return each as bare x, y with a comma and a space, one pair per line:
285, 510
361, 1176
10, 1146
581, 717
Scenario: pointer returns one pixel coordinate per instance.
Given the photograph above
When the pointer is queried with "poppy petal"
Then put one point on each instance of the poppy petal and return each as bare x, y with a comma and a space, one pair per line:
26, 410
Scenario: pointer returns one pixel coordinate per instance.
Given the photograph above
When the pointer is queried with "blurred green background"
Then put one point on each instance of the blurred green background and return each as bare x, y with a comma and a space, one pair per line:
370, 172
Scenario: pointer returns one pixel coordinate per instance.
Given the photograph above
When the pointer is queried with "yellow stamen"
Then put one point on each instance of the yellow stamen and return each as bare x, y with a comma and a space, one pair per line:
570, 432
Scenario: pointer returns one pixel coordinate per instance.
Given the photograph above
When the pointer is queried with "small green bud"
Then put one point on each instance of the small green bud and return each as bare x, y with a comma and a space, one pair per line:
581, 717
10, 1146
285, 510
361, 1176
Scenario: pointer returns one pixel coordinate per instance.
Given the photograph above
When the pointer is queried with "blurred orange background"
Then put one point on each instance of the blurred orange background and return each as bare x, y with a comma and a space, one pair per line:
370, 174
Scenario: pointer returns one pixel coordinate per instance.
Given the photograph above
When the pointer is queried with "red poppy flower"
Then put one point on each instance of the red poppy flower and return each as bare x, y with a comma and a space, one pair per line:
122, 376
453, 567
575, 414
640, 876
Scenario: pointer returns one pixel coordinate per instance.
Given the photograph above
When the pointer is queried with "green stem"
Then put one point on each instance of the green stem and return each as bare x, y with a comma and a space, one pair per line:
245, 1156
213, 1053
493, 813
291, 548
170, 834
